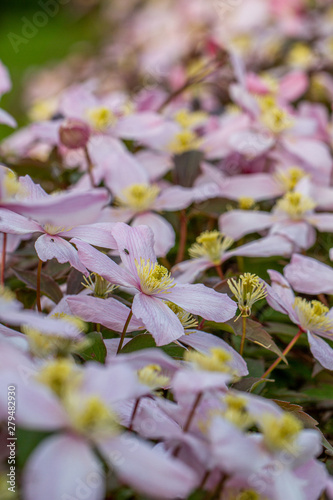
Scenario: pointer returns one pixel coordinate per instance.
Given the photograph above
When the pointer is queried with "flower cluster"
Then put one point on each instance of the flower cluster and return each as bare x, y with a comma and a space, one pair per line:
166, 290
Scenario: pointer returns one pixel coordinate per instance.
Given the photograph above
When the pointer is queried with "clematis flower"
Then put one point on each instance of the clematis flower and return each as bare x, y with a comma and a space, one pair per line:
59, 217
313, 317
209, 250
138, 203
307, 275
78, 403
152, 284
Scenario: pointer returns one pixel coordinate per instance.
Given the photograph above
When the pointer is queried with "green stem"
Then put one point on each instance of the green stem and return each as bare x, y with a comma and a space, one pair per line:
285, 352
123, 333
39, 271
219, 271
241, 350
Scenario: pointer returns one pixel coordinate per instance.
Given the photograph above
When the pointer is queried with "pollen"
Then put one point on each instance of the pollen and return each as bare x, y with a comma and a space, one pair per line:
91, 415
151, 375
153, 277
313, 315
300, 55
11, 185
187, 119
280, 432
74, 320
101, 117
236, 411
59, 375
98, 285
186, 140
138, 197
186, 319
247, 290
216, 361
295, 204
275, 118
53, 230
246, 203
289, 178
212, 245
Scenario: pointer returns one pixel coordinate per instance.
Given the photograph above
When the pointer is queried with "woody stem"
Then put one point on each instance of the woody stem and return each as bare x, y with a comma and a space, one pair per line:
123, 333
285, 352
241, 349
90, 167
219, 271
39, 271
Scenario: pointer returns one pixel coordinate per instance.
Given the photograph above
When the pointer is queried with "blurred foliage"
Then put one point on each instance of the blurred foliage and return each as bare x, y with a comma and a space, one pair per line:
70, 30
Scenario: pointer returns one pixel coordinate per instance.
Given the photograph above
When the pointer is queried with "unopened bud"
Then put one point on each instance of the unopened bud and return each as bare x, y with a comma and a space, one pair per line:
74, 133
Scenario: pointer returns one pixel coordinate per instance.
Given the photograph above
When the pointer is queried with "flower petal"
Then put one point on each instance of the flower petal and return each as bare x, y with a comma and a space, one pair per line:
54, 247
321, 351
164, 234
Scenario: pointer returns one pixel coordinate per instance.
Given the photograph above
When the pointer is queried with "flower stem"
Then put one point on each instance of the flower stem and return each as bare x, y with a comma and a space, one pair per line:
183, 236
3, 258
219, 271
123, 333
285, 352
243, 335
135, 409
189, 420
39, 271
90, 167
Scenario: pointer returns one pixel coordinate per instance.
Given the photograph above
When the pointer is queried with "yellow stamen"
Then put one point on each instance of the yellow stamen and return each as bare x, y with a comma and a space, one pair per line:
186, 319
53, 230
101, 118
248, 495
246, 203
210, 244
91, 415
11, 185
300, 55
59, 375
186, 140
280, 432
289, 178
139, 197
151, 375
43, 110
99, 286
295, 204
275, 118
247, 290
186, 119
313, 315
154, 278
217, 361
6, 294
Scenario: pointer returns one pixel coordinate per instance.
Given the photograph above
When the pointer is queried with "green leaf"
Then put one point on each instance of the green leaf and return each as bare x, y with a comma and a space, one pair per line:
142, 341
255, 333
48, 286
324, 392
28, 440
96, 350
74, 282
187, 168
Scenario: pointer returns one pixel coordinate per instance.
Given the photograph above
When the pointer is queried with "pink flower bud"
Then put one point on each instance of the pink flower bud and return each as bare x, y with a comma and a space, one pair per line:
74, 133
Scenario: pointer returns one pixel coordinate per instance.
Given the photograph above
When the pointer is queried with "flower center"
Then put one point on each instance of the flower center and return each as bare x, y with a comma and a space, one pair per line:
313, 315
211, 244
91, 415
98, 285
186, 140
247, 290
280, 432
52, 230
151, 375
217, 361
288, 178
139, 197
153, 277
246, 203
59, 375
186, 319
275, 118
186, 119
295, 205
11, 185
101, 118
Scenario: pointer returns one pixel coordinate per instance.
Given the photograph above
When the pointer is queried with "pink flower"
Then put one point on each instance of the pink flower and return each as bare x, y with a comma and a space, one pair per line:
153, 285
5, 86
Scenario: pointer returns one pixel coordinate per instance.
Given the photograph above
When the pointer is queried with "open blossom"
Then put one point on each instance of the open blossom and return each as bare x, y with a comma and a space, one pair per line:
152, 284
58, 218
312, 317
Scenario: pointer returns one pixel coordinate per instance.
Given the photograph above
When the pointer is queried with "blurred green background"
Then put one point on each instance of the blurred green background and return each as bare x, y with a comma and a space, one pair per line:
76, 24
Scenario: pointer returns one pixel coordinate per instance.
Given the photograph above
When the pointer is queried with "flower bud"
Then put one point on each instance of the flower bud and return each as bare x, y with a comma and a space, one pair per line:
74, 133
